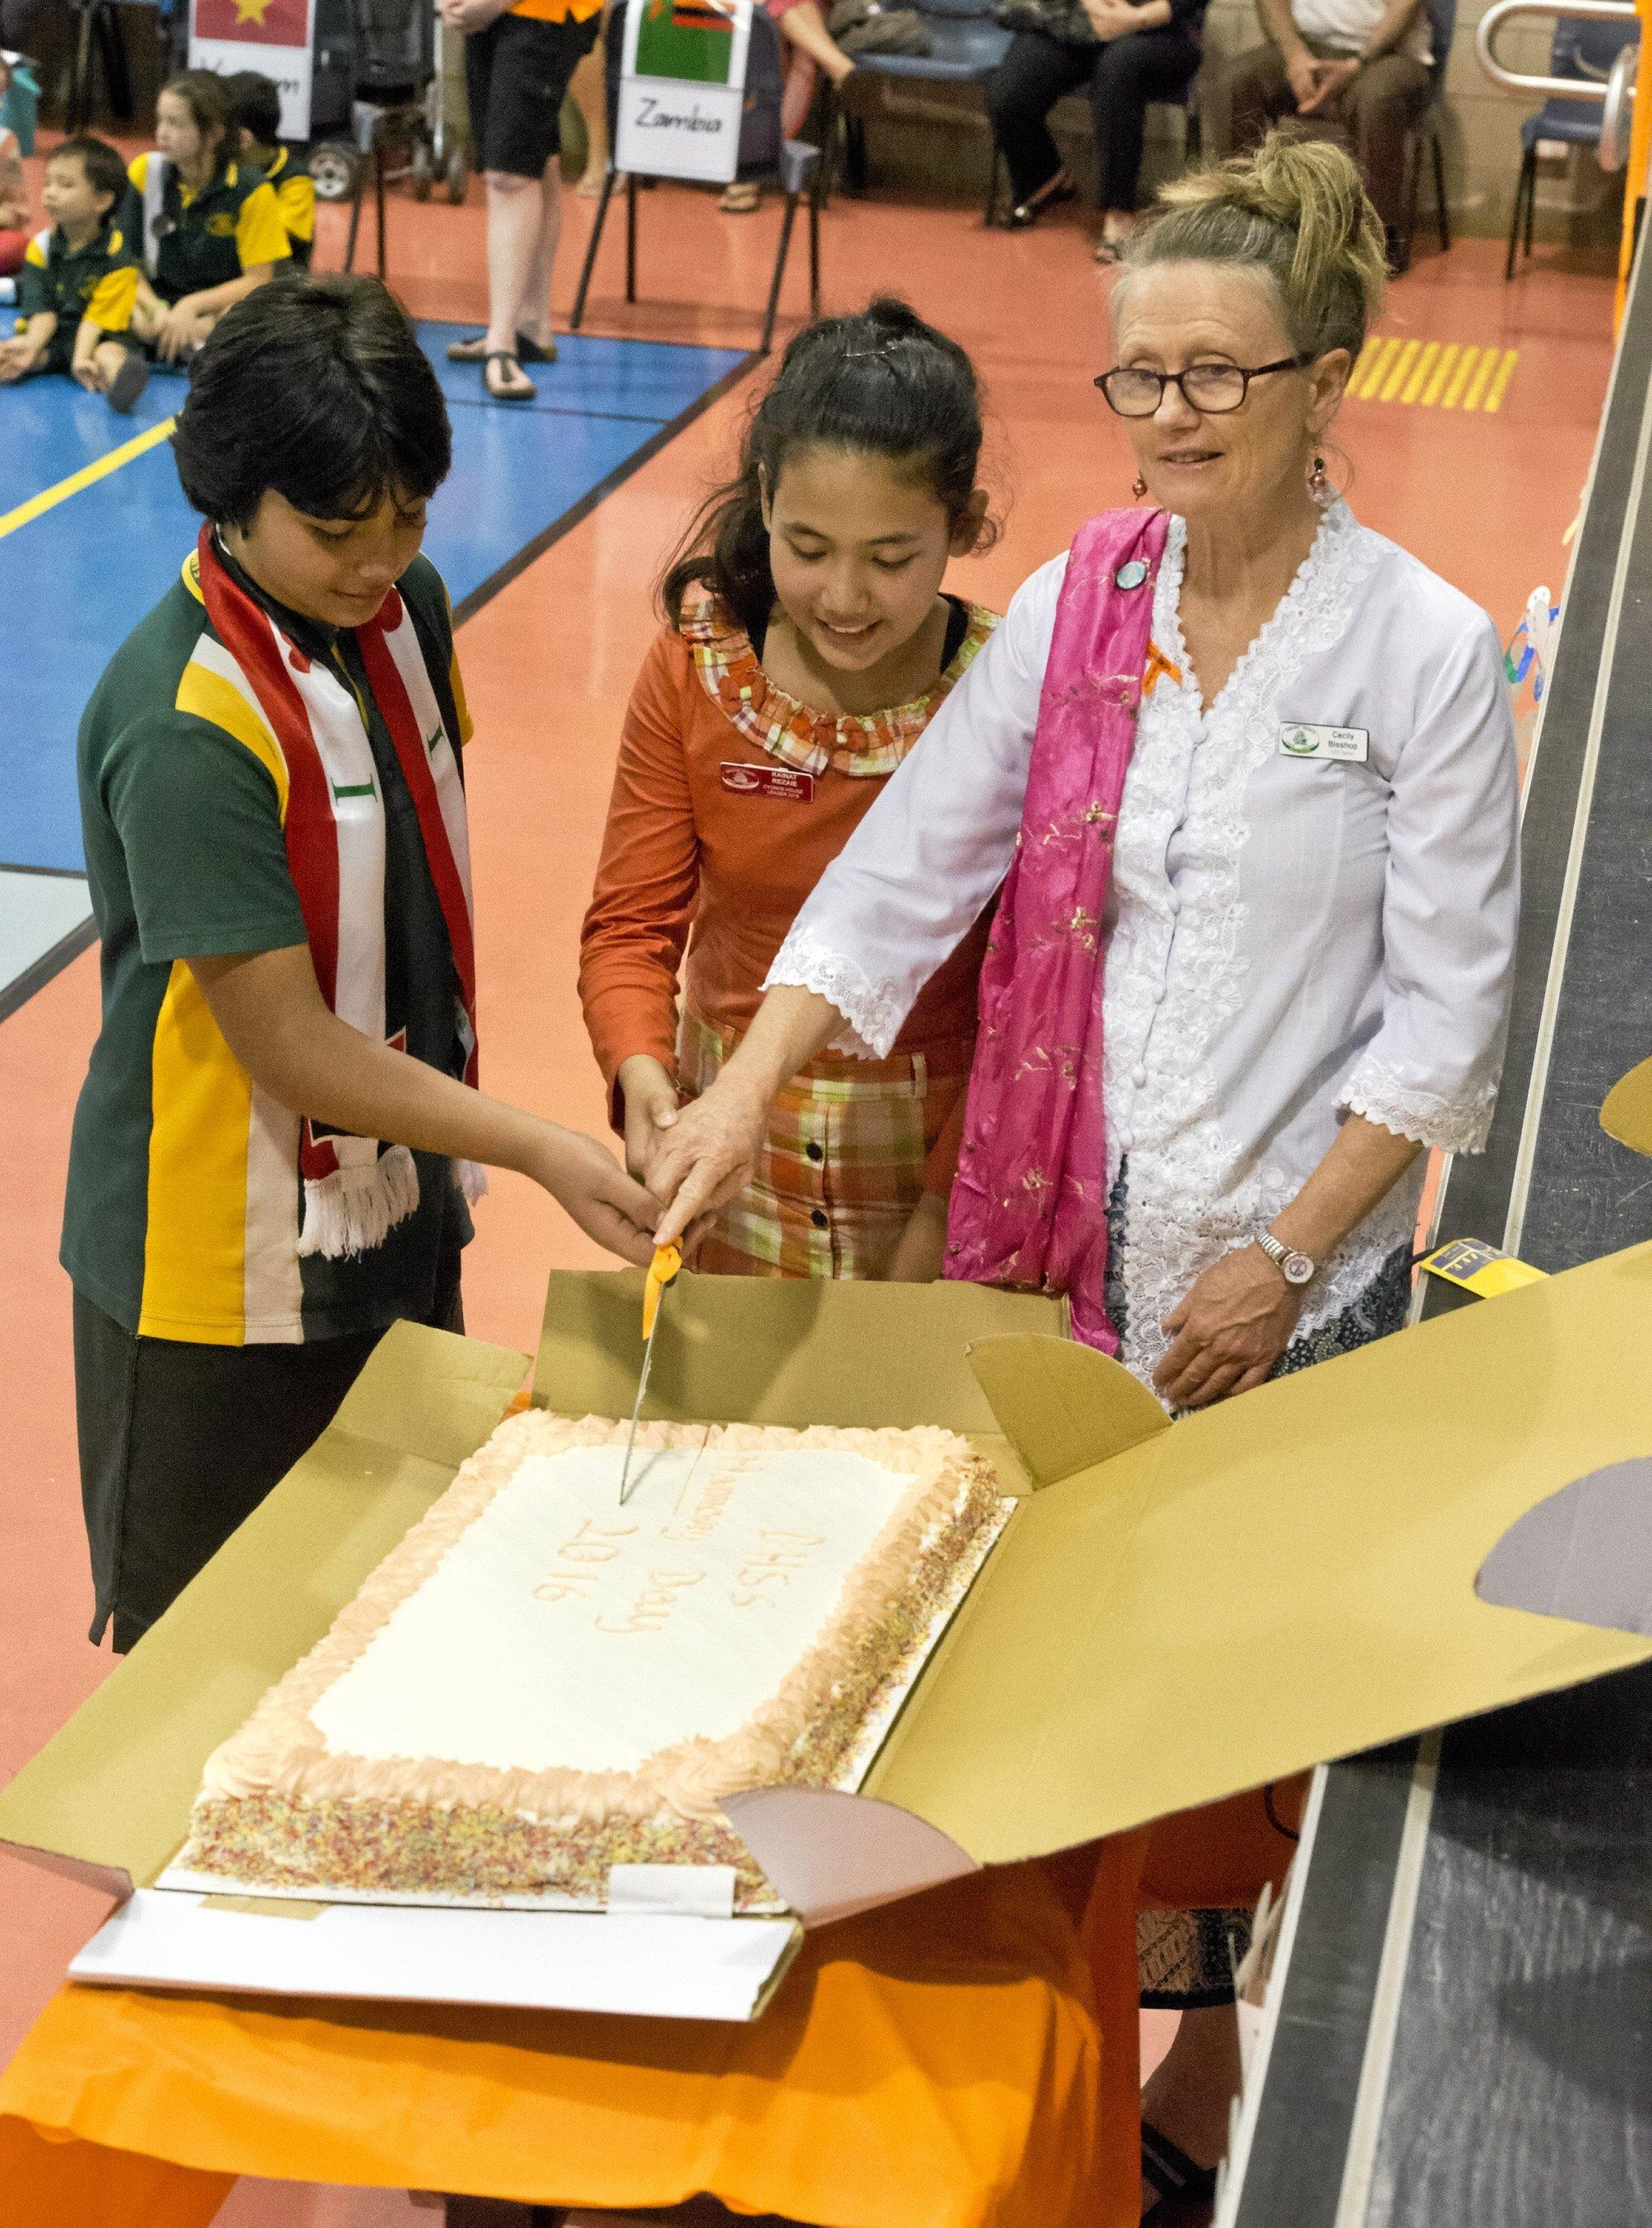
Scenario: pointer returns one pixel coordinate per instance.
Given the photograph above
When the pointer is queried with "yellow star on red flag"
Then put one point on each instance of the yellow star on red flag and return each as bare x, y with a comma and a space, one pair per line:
251, 11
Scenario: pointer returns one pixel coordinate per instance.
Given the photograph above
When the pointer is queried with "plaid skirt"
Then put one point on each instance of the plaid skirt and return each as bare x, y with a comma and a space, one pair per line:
842, 1164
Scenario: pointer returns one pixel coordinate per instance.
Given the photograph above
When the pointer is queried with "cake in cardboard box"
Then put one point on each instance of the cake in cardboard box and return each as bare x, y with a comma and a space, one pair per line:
538, 1684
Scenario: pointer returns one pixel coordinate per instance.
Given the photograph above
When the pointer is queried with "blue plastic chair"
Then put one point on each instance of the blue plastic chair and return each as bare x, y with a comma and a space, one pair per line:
1426, 139
1586, 51
965, 47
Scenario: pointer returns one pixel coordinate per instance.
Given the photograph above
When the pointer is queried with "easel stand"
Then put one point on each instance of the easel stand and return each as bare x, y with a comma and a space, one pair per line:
800, 173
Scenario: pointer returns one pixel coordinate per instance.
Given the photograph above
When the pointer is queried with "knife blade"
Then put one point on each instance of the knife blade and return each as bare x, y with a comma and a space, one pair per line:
661, 1271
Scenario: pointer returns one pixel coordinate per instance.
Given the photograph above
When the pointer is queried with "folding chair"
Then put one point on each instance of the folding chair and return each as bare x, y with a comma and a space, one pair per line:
765, 154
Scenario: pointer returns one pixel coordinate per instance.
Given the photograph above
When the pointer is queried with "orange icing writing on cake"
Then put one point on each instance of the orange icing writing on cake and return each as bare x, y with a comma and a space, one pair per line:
655, 1603
579, 1560
701, 1520
771, 1566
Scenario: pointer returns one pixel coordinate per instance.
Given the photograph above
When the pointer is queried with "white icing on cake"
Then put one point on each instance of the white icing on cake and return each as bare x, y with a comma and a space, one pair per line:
562, 1630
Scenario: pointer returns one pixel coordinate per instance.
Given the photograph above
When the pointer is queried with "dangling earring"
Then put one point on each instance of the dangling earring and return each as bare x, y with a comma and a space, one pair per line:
1140, 488
1318, 485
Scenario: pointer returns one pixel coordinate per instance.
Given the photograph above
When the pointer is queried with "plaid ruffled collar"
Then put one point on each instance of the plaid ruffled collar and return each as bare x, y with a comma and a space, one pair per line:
875, 743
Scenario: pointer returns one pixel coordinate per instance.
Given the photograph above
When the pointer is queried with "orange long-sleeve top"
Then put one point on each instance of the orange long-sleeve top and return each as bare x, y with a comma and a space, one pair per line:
730, 801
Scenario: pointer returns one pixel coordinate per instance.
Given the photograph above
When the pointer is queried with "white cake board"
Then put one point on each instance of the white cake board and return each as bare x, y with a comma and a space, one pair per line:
655, 1967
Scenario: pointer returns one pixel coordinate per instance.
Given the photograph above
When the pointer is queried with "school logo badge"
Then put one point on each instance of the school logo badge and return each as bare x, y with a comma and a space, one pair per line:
221, 224
1299, 743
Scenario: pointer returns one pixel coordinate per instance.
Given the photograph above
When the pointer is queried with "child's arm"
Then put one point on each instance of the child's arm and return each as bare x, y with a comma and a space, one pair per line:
269, 1010
21, 354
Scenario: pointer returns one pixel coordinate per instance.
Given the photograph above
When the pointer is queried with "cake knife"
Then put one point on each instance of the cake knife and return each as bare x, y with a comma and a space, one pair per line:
662, 1270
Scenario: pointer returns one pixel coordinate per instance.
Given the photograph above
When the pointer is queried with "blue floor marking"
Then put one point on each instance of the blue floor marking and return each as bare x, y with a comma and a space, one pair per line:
75, 581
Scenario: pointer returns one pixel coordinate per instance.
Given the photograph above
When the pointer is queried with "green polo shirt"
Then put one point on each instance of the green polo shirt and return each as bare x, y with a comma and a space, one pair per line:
99, 281
184, 1194
206, 238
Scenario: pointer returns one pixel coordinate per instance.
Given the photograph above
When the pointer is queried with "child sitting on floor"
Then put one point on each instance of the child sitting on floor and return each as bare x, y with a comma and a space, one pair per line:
78, 284
255, 120
13, 199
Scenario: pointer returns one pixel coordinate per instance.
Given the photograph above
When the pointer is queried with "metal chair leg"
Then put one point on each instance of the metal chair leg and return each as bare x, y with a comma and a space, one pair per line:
357, 189
595, 242
378, 193
994, 166
630, 235
786, 223
1515, 221
1438, 147
814, 258
1531, 204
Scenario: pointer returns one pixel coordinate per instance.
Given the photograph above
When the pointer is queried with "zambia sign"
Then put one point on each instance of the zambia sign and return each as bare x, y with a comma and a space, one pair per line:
683, 86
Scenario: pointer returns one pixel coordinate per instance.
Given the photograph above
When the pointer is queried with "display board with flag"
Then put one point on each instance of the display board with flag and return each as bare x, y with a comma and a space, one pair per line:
275, 36
681, 88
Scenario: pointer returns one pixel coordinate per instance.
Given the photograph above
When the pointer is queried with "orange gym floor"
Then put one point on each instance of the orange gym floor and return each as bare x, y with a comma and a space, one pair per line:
1475, 461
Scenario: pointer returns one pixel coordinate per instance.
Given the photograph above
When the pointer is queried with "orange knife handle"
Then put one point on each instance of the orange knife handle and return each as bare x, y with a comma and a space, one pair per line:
661, 1271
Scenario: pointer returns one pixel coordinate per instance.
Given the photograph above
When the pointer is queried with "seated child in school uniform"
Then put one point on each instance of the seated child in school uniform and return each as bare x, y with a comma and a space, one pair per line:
204, 226
255, 114
13, 199
77, 285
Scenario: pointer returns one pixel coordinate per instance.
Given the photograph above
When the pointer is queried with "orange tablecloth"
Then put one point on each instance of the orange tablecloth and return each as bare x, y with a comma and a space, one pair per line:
954, 2061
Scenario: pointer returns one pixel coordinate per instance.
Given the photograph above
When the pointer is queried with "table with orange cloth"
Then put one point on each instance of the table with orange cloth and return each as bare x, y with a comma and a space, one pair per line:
967, 2059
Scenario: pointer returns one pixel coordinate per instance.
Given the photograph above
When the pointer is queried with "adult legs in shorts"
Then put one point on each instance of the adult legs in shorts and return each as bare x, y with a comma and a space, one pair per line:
517, 72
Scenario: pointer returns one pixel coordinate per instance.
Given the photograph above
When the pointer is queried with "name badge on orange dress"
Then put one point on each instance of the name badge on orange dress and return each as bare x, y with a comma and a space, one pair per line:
784, 781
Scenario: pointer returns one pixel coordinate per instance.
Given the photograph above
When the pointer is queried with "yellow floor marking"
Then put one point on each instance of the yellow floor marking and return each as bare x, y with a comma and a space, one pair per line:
1449, 355
1460, 378
1368, 354
86, 476
1395, 378
1482, 378
1373, 378
1421, 370
1499, 385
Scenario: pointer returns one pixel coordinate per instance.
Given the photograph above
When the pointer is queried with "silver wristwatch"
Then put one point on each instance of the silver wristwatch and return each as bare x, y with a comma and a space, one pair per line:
1296, 1268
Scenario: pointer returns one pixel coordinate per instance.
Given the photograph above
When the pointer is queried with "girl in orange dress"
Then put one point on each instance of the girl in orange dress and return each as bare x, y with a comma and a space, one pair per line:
809, 644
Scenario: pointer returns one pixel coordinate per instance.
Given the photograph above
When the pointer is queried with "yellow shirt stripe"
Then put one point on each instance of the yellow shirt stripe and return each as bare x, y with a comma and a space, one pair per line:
260, 236
296, 199
194, 1249
209, 696
116, 298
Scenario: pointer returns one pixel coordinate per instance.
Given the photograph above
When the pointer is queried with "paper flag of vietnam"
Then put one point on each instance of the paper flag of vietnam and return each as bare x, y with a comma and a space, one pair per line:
262, 22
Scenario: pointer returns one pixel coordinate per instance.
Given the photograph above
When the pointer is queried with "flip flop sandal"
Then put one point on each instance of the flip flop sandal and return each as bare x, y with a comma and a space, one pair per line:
743, 198
528, 350
1186, 2189
525, 393
128, 384
1049, 195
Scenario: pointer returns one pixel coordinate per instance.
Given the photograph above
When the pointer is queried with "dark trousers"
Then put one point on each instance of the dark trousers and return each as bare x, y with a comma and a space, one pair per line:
1371, 119
179, 1444
1122, 78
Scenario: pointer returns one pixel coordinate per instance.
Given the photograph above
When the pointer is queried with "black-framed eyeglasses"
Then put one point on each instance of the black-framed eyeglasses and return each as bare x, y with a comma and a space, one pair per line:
1210, 388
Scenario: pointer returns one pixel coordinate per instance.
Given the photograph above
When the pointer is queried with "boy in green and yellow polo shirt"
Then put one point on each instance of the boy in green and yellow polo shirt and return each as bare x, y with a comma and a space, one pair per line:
255, 113
77, 284
280, 1130
206, 229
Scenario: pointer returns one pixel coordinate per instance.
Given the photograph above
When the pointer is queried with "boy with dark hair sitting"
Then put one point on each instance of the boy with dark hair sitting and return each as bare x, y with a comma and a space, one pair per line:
78, 284
255, 120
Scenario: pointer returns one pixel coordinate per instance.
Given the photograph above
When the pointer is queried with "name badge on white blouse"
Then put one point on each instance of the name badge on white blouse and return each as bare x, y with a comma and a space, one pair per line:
1350, 745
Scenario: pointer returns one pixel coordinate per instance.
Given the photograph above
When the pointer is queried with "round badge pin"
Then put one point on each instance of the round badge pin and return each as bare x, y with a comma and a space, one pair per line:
1130, 575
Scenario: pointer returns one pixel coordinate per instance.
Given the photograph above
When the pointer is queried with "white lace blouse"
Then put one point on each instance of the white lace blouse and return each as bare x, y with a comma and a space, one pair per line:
1289, 938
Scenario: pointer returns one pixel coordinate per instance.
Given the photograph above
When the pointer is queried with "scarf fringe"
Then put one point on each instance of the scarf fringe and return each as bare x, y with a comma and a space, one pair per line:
356, 1208
472, 1179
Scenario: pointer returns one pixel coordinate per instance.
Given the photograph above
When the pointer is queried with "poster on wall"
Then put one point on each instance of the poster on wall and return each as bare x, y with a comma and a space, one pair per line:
681, 87
272, 36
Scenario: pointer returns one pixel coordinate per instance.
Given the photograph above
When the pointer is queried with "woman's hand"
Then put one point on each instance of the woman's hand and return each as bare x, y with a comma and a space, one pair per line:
1229, 1331
651, 1104
709, 1154
920, 1253
1111, 19
590, 1185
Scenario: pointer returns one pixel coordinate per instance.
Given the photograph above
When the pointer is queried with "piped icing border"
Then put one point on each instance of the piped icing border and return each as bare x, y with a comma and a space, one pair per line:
278, 1806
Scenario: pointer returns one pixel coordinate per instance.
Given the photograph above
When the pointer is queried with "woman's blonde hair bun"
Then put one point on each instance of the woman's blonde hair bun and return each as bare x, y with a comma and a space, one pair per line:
1295, 209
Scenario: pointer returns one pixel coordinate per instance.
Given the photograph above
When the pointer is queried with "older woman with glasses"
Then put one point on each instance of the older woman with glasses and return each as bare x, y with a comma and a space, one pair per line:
1244, 773
1250, 770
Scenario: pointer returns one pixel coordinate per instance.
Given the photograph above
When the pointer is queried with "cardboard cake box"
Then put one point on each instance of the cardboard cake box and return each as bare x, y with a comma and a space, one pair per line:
1173, 1614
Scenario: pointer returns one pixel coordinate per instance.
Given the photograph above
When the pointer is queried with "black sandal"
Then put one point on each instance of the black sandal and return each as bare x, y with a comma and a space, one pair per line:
475, 350
1183, 2186
525, 393
1054, 191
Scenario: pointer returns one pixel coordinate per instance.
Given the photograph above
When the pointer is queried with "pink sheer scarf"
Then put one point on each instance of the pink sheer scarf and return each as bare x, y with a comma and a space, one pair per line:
1029, 1205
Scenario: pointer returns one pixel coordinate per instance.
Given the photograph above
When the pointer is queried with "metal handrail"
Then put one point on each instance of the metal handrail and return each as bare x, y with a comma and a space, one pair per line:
1617, 117
1568, 88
